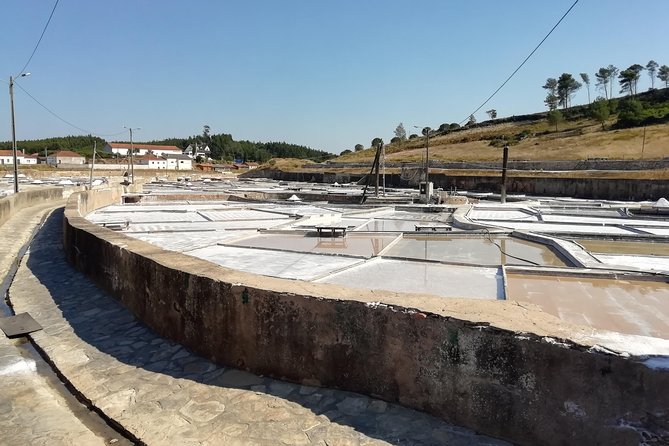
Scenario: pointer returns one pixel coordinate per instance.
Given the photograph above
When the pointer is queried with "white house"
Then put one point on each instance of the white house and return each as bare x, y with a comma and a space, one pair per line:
153, 161
178, 162
30, 159
123, 148
193, 151
7, 157
65, 157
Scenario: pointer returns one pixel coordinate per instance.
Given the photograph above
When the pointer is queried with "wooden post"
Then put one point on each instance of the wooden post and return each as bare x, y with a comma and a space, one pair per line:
505, 160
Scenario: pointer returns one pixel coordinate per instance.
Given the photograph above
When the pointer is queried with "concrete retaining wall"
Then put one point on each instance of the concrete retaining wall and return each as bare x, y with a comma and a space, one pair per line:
564, 165
478, 373
595, 188
24, 199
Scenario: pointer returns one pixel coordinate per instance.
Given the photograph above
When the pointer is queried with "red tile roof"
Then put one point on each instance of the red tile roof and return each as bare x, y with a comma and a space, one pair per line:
9, 153
124, 145
151, 158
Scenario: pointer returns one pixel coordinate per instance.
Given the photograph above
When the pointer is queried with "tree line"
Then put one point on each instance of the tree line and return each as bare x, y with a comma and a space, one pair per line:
80, 144
561, 90
401, 134
223, 147
631, 112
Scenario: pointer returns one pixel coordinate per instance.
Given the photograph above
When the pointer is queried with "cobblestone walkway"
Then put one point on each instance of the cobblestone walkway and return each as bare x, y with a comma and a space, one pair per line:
17, 230
32, 411
164, 394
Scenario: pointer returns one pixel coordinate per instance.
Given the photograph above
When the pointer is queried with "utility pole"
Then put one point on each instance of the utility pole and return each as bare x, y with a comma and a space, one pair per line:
376, 184
375, 165
11, 102
132, 159
383, 163
505, 160
16, 163
427, 159
426, 132
90, 182
379, 149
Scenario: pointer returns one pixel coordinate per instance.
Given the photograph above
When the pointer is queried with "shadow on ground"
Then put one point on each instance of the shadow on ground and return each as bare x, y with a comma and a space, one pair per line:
106, 325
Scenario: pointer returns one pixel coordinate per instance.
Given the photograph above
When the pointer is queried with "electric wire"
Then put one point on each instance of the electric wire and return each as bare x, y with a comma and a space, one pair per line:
487, 233
523, 63
23, 70
63, 119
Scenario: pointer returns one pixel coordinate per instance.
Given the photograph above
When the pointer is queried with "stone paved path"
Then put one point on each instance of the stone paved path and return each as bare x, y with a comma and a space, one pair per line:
164, 394
32, 409
31, 413
16, 232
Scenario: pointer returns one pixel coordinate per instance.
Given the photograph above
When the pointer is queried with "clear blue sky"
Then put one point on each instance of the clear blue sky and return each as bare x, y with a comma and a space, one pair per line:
327, 74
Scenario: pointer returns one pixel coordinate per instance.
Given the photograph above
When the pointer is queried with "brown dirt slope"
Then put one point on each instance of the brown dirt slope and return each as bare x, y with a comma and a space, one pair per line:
573, 141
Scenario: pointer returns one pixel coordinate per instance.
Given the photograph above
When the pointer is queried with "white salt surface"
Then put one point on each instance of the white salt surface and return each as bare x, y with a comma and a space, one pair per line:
648, 263
146, 217
562, 228
602, 221
657, 231
205, 226
287, 265
237, 215
661, 203
424, 278
500, 214
188, 241
628, 344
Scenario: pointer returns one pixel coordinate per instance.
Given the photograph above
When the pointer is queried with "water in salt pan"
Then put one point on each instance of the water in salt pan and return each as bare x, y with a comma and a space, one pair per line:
477, 250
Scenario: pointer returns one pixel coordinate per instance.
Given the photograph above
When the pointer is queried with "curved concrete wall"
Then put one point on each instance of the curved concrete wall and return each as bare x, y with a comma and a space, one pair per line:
24, 199
464, 361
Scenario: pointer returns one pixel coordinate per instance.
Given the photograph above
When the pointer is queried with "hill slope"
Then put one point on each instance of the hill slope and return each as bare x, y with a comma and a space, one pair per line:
531, 137
577, 140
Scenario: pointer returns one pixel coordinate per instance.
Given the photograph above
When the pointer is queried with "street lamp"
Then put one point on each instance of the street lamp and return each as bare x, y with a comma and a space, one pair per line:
132, 150
426, 132
11, 102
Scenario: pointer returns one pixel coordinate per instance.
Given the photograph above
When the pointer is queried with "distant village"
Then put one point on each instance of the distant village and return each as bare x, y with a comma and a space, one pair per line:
144, 156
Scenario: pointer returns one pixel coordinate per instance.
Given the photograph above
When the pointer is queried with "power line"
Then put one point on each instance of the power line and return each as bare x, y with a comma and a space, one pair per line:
63, 119
523, 63
487, 233
40, 39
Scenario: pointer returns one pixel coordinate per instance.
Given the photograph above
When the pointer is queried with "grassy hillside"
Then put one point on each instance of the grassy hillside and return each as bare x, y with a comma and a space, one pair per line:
531, 137
581, 139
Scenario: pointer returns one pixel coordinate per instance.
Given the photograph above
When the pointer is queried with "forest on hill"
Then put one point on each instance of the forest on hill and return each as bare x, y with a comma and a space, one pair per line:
223, 147
79, 144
